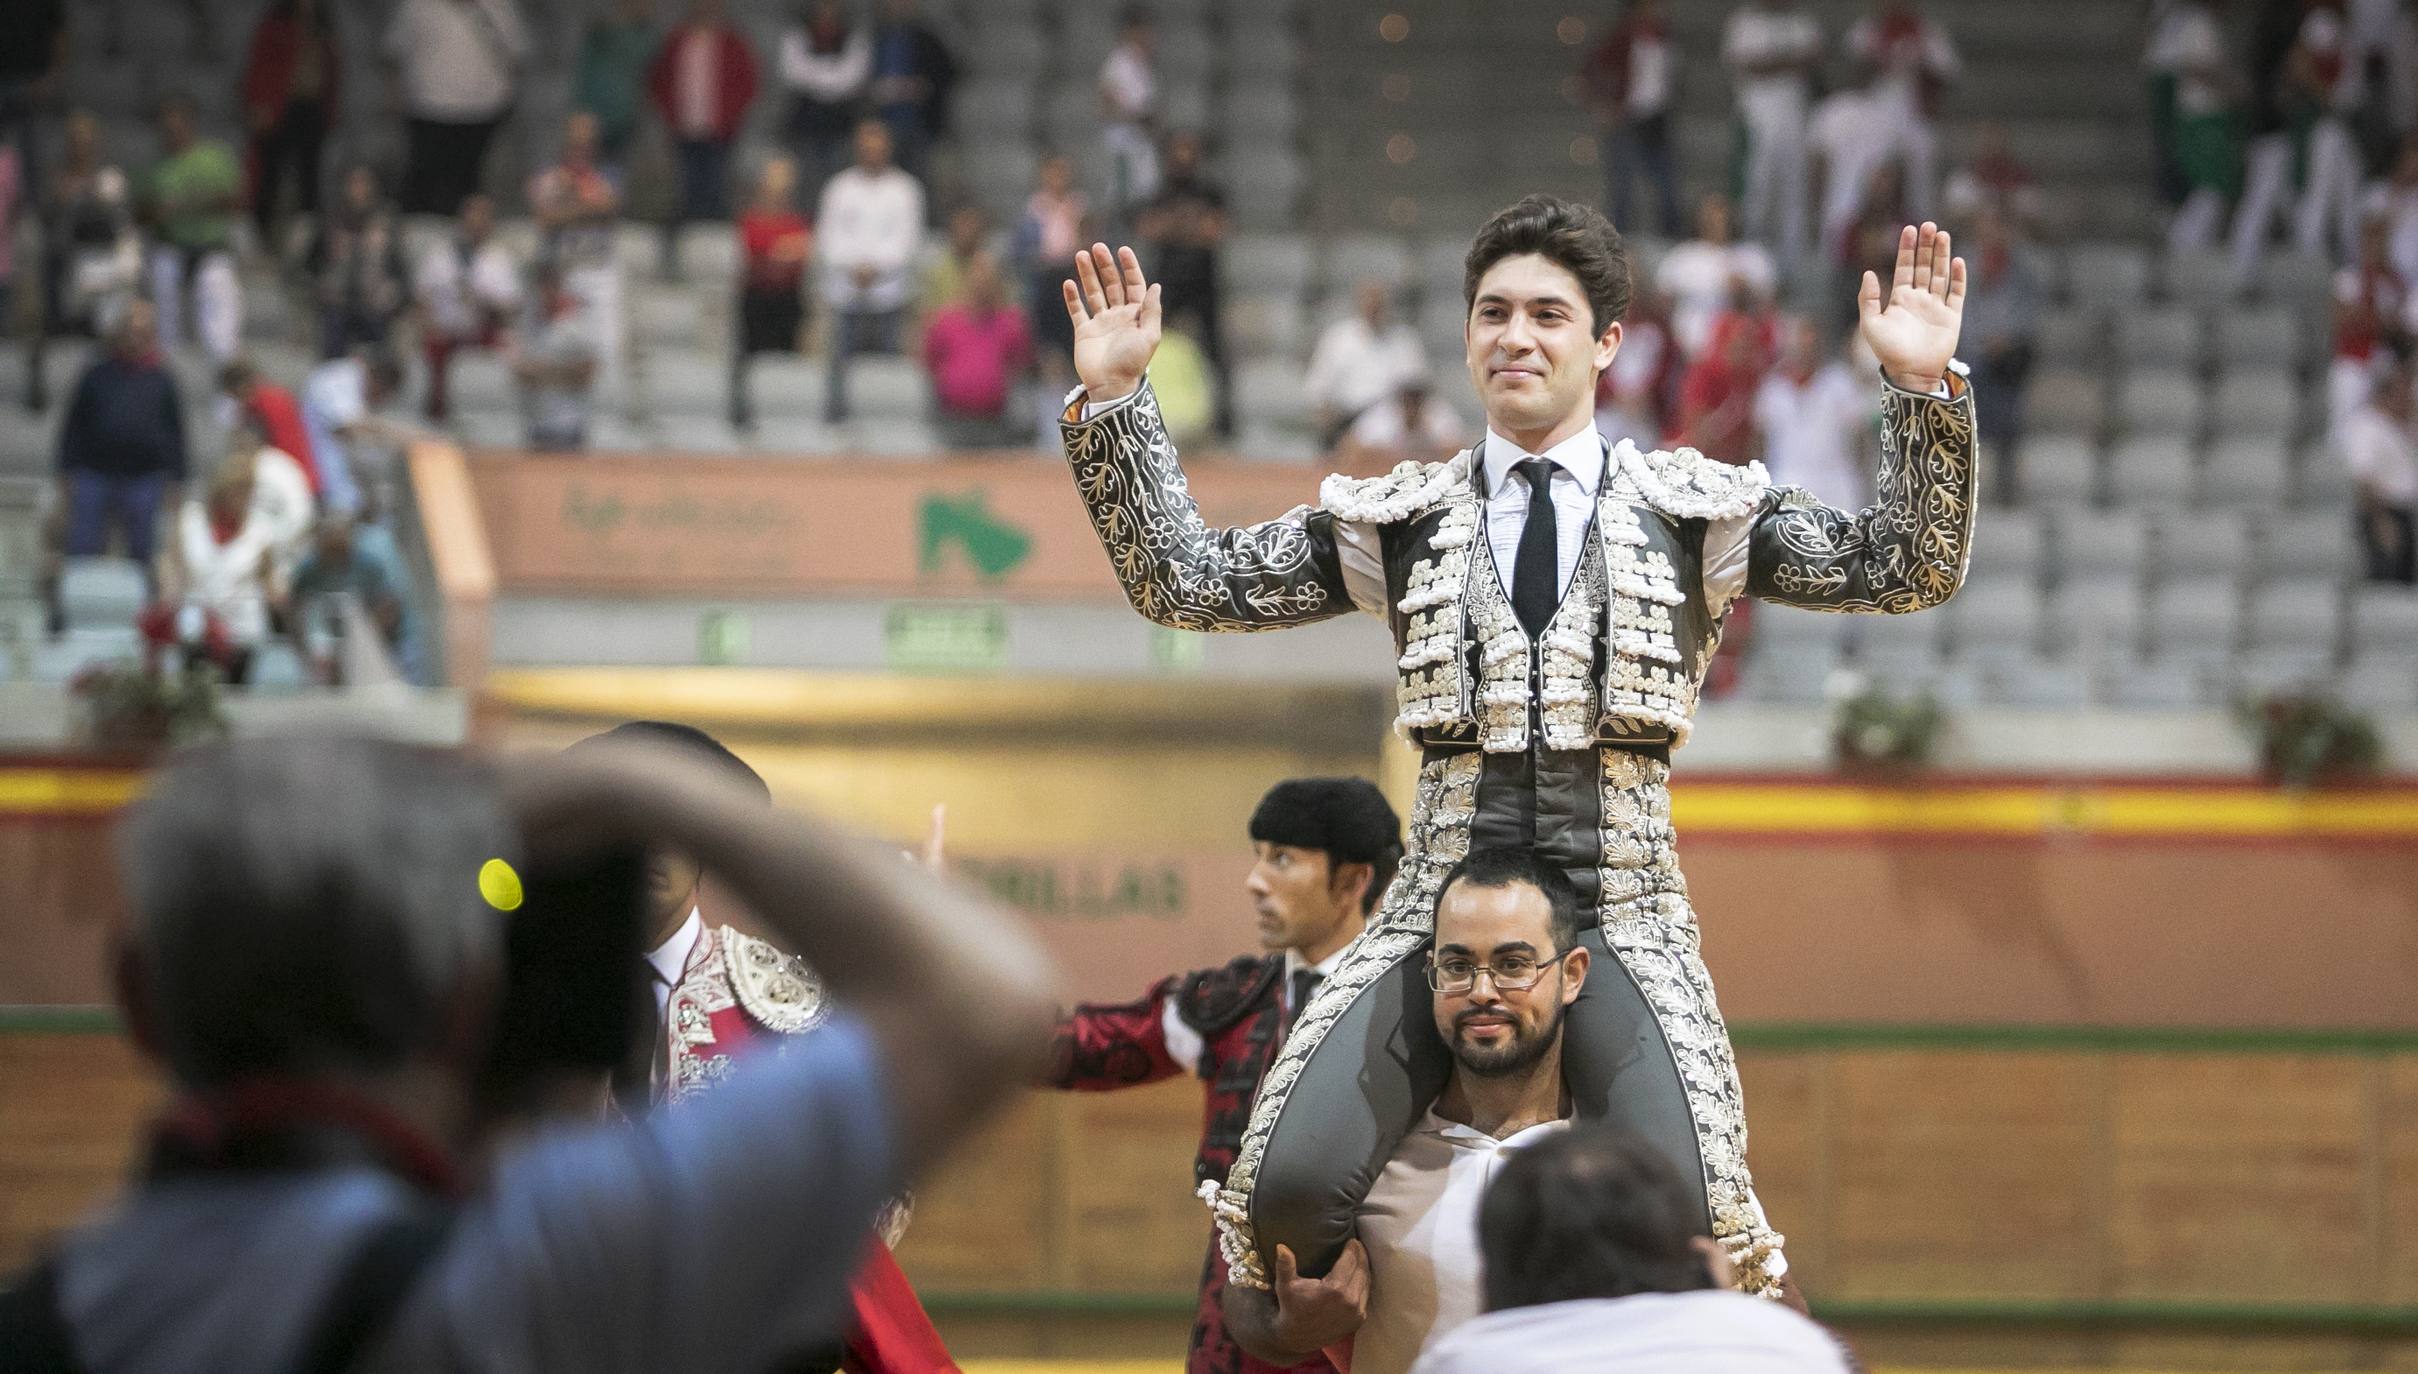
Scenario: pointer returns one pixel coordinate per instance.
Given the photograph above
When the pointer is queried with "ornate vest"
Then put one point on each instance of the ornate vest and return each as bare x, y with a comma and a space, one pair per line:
1626, 650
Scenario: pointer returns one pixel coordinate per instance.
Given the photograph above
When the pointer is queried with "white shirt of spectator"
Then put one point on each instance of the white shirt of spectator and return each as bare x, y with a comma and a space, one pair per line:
1420, 1225
869, 219
281, 501
1648, 1333
1697, 276
1354, 367
457, 58
1810, 431
1756, 35
1386, 426
695, 82
1901, 66
828, 78
456, 294
559, 409
229, 580
1131, 87
1184, 1044
1649, 77
2187, 40
2382, 454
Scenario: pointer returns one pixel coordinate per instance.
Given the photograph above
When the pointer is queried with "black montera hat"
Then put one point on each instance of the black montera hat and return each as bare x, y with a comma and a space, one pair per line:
1348, 818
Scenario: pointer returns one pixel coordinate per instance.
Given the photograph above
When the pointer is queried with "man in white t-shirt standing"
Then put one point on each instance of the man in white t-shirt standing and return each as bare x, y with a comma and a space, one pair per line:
869, 228
1129, 111
1593, 1262
1909, 62
2380, 445
1773, 51
1814, 418
1505, 967
1360, 359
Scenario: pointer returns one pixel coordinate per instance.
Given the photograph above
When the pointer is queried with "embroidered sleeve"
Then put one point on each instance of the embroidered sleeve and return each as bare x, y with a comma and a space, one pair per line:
1176, 569
1909, 550
1101, 1047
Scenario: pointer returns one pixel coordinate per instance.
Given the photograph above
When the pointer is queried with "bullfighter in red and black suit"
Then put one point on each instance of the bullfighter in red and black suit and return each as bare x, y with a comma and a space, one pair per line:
1324, 850
720, 993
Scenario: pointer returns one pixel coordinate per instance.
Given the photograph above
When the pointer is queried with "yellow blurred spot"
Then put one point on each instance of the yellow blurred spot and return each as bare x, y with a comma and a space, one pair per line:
500, 885
1393, 28
1400, 149
1402, 210
1572, 31
1396, 87
1582, 151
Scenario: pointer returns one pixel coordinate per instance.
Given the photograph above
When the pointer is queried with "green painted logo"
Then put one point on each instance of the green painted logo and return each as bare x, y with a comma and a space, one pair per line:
991, 546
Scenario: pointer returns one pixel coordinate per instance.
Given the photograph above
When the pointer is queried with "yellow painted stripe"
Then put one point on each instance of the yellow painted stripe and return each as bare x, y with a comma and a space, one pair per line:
67, 791
2112, 810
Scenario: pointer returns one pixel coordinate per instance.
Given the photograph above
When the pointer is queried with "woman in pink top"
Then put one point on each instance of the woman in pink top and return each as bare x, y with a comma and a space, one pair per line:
977, 348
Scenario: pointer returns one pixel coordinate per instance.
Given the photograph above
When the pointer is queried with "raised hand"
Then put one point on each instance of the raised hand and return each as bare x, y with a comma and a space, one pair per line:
1116, 315
1914, 333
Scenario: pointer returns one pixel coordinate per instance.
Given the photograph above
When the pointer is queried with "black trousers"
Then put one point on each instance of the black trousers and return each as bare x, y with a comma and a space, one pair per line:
444, 164
290, 147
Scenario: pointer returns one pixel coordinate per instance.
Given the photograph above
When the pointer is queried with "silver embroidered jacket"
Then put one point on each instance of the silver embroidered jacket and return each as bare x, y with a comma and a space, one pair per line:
1621, 663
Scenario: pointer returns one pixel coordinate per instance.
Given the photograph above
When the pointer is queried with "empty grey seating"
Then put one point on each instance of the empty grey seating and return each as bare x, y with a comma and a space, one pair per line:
1269, 390
2010, 544
2381, 681
2258, 336
694, 433
2280, 669
2161, 401
1280, 263
1184, 53
2384, 619
2289, 279
2256, 403
2096, 620
101, 591
2157, 686
2152, 470
2198, 279
1359, 257
2004, 616
2102, 544
58, 660
2193, 621
2212, 546
2319, 479
2306, 543
1268, 322
2248, 471
1800, 675
1777, 626
2112, 274
2076, 336
1900, 645
2064, 400
2058, 470
2042, 684
692, 382
1260, 112
994, 106
2153, 336
2299, 613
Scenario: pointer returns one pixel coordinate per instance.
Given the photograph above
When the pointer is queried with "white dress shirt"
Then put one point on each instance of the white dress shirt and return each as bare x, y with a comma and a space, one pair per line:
457, 59
1756, 35
1647, 1333
2382, 454
1420, 1226
667, 961
1578, 469
1184, 1044
869, 219
828, 78
1354, 367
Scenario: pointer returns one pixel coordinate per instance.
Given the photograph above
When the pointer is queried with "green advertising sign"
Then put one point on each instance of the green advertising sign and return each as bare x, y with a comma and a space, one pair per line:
946, 637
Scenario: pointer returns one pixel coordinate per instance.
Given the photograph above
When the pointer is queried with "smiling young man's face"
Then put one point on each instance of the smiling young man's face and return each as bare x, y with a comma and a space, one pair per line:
1533, 352
1494, 1031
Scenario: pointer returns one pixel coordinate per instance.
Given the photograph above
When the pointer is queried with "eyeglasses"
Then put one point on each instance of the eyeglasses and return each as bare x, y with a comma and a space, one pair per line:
1513, 973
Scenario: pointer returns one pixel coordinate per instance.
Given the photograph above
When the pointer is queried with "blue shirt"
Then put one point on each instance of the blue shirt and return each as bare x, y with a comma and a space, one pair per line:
711, 1236
125, 421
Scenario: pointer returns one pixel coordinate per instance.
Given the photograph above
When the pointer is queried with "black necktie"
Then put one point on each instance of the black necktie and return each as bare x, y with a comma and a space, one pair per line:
634, 1079
1305, 982
1536, 571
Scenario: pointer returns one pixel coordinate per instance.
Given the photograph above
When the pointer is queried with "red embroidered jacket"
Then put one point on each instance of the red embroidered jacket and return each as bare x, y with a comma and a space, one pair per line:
1238, 1011
735, 991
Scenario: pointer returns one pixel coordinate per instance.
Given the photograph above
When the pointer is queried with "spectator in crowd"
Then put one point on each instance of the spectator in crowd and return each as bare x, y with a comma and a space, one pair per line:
2395, 201
356, 261
2375, 312
2002, 318
610, 79
1129, 115
2305, 142
92, 257
2380, 56
703, 80
976, 350
1908, 63
2194, 121
871, 226
578, 212
1410, 425
1360, 360
121, 454
1505, 966
1190, 399
1704, 275
913, 74
1851, 140
1631, 84
350, 561
2379, 443
1717, 396
281, 495
774, 245
220, 574
1774, 52
251, 401
468, 289
13, 195
458, 63
1632, 397
1995, 180
555, 358
1055, 226
378, 1025
826, 65
968, 236
289, 102
1816, 420
1594, 1259
33, 61
342, 404
1185, 225
190, 199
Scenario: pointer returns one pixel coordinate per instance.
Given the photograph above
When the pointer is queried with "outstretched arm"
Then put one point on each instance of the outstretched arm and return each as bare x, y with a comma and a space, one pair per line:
1176, 569
1908, 551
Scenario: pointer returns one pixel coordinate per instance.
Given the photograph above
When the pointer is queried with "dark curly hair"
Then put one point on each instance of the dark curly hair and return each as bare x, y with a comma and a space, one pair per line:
1563, 231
